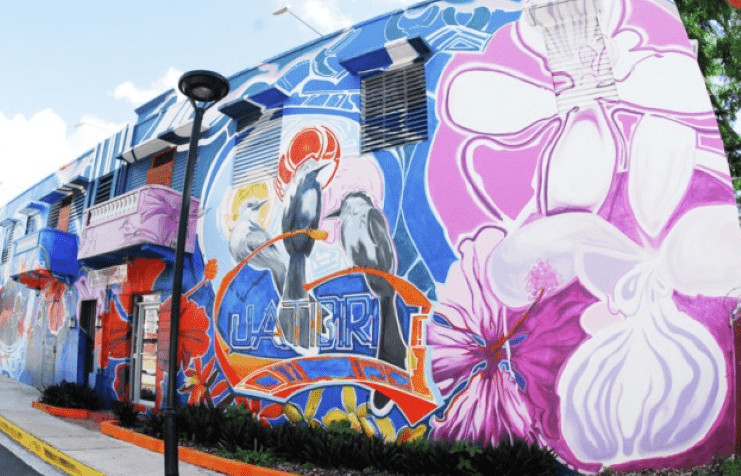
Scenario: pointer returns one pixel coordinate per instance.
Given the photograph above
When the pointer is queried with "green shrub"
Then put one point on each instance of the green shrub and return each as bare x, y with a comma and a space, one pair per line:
126, 414
154, 425
722, 466
70, 395
258, 455
201, 424
239, 435
516, 458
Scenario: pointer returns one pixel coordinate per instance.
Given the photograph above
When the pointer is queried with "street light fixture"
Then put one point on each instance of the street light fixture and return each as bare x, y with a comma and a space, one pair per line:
203, 89
287, 9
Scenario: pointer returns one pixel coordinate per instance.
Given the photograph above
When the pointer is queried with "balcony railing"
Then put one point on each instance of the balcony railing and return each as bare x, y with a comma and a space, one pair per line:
128, 225
48, 253
112, 209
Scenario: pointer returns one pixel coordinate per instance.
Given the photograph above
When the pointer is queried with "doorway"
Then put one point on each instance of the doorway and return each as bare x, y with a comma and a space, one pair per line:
145, 327
88, 310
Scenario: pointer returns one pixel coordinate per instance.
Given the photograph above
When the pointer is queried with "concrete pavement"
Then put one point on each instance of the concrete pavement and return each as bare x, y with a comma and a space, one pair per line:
72, 448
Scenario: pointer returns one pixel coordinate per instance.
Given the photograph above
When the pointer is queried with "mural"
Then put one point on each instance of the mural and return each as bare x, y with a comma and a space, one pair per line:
554, 263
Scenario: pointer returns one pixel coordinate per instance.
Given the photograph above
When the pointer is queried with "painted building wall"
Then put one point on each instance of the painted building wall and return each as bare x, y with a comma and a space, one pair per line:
553, 263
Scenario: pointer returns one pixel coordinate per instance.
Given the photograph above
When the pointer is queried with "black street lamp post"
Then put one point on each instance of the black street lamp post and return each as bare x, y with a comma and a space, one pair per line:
204, 89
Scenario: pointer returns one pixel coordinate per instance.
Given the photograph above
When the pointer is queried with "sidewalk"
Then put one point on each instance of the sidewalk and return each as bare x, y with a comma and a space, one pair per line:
71, 447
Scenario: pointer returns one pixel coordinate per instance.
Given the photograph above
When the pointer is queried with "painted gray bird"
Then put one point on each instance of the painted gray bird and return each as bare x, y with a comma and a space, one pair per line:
367, 242
247, 235
304, 197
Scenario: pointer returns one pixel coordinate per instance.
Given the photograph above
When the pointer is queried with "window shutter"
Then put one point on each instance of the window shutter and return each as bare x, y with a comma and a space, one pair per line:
136, 174
8, 242
577, 55
53, 219
258, 148
103, 189
394, 108
75, 214
31, 227
178, 175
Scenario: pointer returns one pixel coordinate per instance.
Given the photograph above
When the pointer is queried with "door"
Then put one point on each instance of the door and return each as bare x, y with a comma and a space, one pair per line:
49, 362
144, 349
87, 337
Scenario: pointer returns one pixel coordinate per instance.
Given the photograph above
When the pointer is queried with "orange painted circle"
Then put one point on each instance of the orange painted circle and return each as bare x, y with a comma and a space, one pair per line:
735, 3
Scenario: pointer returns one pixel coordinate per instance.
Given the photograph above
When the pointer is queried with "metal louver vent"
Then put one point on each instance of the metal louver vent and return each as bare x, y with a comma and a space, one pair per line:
258, 148
577, 54
394, 108
103, 190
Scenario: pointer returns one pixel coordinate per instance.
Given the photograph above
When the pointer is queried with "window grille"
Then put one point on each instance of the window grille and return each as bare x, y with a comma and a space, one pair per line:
258, 148
103, 189
8, 242
577, 54
394, 108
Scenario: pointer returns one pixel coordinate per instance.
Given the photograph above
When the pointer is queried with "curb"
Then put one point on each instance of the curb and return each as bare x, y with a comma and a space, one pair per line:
74, 413
45, 451
188, 455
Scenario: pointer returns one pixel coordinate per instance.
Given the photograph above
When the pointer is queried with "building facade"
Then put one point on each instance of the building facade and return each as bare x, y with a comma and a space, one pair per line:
467, 220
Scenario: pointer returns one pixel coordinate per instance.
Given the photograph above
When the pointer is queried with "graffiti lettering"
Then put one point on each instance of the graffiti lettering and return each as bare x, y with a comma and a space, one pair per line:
334, 324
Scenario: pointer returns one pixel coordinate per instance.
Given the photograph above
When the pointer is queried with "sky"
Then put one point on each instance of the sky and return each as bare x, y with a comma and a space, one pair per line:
72, 72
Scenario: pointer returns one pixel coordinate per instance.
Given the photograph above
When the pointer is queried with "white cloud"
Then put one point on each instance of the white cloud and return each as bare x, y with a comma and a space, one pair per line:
33, 148
137, 96
328, 16
325, 15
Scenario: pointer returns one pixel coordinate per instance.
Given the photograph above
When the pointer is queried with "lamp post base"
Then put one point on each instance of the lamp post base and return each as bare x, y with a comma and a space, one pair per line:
171, 441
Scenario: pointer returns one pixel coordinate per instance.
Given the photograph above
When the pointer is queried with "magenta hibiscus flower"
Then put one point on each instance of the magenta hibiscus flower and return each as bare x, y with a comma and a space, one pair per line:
498, 368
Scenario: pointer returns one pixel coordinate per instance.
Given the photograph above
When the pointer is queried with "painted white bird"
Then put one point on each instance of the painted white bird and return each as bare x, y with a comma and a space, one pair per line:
248, 235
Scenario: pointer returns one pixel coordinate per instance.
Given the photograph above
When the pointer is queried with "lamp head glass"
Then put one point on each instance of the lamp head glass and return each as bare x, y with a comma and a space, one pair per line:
203, 86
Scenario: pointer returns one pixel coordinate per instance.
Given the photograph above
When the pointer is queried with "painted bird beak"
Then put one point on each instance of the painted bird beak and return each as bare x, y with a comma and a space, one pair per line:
334, 214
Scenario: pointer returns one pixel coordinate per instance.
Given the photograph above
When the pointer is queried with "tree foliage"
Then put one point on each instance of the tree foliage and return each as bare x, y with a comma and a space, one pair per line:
716, 26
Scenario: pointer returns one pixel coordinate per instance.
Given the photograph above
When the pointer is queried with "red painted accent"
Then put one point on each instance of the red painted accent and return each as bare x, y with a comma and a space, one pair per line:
54, 295
414, 408
193, 329
319, 144
37, 279
142, 274
735, 3
119, 334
